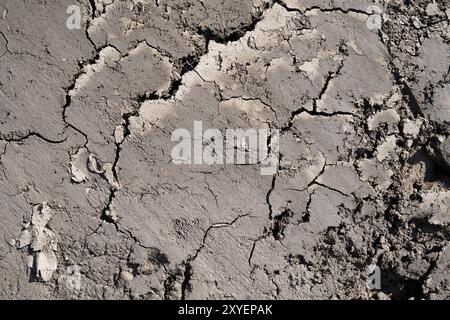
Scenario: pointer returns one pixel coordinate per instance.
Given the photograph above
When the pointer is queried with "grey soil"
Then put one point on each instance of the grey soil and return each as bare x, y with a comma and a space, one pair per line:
86, 177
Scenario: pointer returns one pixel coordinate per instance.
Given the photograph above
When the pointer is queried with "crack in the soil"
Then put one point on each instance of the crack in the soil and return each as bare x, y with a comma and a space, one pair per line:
333, 74
321, 9
13, 138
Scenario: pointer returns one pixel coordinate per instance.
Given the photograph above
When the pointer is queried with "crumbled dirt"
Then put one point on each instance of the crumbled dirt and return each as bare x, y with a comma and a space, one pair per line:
86, 118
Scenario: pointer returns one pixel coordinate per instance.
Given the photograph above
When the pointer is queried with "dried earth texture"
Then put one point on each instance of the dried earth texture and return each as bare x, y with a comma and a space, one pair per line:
94, 208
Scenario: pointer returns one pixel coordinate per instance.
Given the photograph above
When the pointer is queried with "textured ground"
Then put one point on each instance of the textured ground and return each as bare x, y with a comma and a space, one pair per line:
86, 176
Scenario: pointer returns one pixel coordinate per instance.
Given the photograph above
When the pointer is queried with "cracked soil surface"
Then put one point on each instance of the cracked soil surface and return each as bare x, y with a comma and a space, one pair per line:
86, 177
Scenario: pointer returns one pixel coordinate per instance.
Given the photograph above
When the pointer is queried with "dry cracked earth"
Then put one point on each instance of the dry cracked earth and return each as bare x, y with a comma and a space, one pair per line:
359, 91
